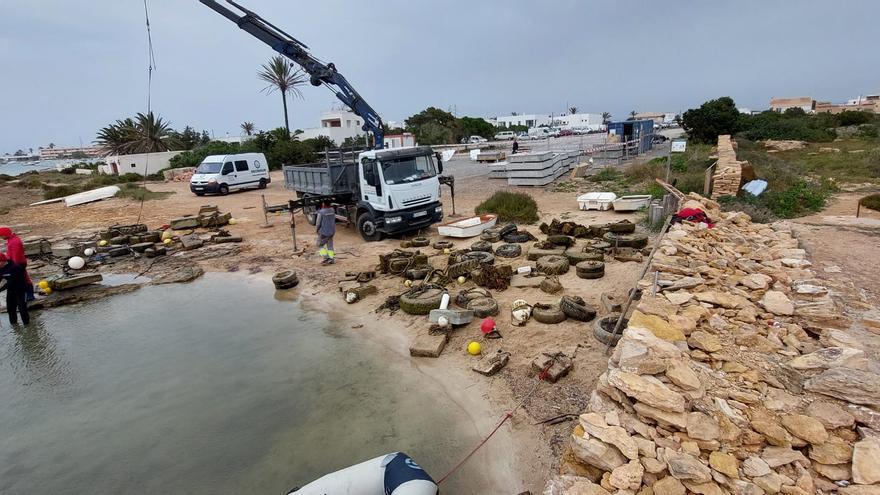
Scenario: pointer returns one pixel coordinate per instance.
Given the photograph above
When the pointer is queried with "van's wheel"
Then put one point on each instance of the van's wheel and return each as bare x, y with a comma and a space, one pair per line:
263, 183
224, 189
366, 225
200, 194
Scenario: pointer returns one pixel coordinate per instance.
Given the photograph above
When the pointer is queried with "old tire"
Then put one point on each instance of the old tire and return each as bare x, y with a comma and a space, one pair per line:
576, 255
368, 228
622, 227
637, 241
553, 264
417, 273
590, 269
551, 285
600, 246
467, 295
604, 326
286, 279
508, 250
484, 246
441, 245
483, 307
506, 229
482, 257
420, 241
516, 237
421, 300
548, 313
490, 236
576, 308
561, 240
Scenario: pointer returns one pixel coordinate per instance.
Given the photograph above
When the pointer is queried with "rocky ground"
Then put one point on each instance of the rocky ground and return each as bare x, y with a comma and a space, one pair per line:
746, 373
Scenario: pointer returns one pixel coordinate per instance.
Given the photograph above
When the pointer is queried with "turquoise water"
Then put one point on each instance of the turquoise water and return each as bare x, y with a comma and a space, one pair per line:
211, 387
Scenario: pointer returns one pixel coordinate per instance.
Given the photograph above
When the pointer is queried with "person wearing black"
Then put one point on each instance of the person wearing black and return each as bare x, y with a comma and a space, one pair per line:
515, 146
13, 276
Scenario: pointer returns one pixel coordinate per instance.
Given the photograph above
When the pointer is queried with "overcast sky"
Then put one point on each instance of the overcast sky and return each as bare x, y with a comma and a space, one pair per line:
67, 68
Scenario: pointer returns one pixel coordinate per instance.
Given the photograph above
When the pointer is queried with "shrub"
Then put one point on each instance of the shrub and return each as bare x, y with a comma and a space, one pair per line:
867, 131
714, 117
607, 174
510, 207
53, 192
800, 198
871, 202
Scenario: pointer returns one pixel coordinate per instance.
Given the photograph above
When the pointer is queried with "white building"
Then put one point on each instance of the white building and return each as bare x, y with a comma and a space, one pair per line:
141, 163
528, 120
336, 125
587, 120
400, 140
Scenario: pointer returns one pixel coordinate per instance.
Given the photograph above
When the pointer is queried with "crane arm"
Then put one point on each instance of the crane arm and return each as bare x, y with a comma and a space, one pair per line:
319, 72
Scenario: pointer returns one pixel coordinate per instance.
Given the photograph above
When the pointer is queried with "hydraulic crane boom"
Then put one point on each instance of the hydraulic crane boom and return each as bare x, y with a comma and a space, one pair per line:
319, 72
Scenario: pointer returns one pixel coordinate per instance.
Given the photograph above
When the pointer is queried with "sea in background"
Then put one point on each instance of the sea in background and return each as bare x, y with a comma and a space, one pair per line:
18, 168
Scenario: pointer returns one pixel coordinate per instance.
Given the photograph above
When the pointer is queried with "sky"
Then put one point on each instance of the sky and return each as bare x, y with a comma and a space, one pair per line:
69, 68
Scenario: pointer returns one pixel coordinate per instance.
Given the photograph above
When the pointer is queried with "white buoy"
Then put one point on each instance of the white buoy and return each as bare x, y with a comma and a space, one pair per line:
89, 252
76, 263
443, 321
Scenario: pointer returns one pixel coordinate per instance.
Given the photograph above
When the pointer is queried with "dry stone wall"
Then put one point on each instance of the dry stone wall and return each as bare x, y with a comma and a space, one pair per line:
728, 175
736, 378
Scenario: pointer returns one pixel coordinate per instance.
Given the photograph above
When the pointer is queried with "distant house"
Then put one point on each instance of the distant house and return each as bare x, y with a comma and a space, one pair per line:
141, 163
870, 103
400, 140
337, 125
529, 120
805, 103
57, 153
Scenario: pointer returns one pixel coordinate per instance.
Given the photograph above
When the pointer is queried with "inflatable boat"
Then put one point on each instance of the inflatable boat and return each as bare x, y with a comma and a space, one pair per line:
390, 474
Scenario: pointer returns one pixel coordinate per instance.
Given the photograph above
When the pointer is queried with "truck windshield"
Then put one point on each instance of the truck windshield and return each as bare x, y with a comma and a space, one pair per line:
410, 169
209, 168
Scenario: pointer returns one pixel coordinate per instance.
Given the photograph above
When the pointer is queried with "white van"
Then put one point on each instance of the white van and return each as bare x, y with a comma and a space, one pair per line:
505, 136
224, 173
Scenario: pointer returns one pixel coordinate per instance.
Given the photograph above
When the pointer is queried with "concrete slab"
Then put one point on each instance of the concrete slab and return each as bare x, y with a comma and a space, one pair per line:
537, 156
455, 316
191, 241
67, 283
184, 223
427, 345
493, 363
522, 281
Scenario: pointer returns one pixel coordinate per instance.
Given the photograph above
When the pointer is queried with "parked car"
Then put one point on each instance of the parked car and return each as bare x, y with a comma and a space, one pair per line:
565, 132
523, 136
474, 140
224, 173
505, 136
659, 138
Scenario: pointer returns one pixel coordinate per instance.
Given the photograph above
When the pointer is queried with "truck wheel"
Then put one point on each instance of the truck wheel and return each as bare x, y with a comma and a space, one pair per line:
263, 183
200, 194
367, 227
224, 189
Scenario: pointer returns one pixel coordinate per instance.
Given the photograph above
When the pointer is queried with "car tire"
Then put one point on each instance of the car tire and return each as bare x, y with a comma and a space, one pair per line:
367, 227
420, 241
223, 189
286, 279
549, 314
508, 250
576, 255
516, 237
622, 227
490, 236
263, 184
590, 269
484, 246
561, 240
604, 326
467, 295
441, 245
553, 265
576, 308
200, 194
483, 307
637, 241
482, 257
422, 299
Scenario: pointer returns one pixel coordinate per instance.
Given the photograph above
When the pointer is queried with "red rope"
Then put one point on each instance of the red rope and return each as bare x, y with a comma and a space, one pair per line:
509, 414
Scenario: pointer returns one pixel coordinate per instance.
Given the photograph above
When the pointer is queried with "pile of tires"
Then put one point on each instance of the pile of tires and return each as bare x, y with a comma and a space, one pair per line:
575, 255
467, 295
286, 279
576, 308
483, 257
422, 299
516, 237
603, 328
637, 241
441, 245
508, 251
549, 314
552, 264
622, 227
590, 269
478, 300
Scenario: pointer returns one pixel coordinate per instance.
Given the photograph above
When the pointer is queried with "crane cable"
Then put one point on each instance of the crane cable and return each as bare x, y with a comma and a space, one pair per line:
151, 66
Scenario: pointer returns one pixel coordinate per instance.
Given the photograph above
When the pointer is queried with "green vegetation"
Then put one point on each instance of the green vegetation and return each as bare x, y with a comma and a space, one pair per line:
143, 134
510, 207
58, 184
871, 202
714, 117
435, 126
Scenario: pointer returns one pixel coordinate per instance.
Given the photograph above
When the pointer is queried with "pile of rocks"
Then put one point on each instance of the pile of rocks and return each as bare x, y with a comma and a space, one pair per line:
734, 379
730, 173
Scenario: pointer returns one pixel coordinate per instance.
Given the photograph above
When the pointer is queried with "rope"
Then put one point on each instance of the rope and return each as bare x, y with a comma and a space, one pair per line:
150, 67
509, 414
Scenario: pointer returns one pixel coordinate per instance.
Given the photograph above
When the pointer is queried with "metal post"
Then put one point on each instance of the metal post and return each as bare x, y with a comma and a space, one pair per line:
668, 161
293, 229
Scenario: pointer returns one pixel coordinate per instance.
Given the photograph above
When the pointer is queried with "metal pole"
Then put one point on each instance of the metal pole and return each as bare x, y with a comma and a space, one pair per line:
668, 161
293, 229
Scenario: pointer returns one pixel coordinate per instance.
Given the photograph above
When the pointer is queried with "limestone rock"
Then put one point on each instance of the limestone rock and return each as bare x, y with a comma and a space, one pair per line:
830, 415
710, 488
775, 434
780, 456
653, 466
777, 303
701, 426
756, 281
740, 487
648, 390
859, 490
664, 418
771, 483
833, 451
866, 462
721, 299
806, 428
595, 426
834, 472
668, 486
724, 463
565, 484
597, 453
754, 467
642, 352
658, 326
687, 467
628, 476
680, 297
681, 374
704, 341
829, 357
851, 385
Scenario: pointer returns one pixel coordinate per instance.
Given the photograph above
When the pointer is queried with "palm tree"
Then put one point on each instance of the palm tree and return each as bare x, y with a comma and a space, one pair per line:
632, 115
572, 110
51, 146
606, 117
282, 77
248, 128
143, 134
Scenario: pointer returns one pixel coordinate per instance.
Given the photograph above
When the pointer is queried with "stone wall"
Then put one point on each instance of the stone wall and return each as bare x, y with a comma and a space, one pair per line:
728, 176
736, 378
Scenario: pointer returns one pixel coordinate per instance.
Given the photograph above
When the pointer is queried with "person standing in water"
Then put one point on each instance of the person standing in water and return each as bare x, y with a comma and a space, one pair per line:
15, 253
326, 226
14, 276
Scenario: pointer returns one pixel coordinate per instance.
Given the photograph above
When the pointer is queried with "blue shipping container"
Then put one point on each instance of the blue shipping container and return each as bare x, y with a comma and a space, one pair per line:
634, 130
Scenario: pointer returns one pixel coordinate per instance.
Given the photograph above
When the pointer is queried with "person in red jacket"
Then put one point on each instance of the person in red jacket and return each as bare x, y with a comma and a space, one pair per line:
15, 253
13, 276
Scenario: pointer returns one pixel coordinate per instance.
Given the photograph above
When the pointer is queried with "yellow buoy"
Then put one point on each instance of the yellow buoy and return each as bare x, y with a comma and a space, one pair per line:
43, 284
166, 241
47, 290
461, 280
407, 283
167, 235
474, 348
446, 251
232, 221
104, 243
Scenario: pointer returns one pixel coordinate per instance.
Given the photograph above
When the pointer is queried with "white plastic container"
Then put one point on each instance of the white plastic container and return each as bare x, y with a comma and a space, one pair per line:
596, 201
524, 270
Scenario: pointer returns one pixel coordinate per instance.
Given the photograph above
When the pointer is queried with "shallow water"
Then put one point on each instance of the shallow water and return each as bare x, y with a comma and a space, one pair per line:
210, 387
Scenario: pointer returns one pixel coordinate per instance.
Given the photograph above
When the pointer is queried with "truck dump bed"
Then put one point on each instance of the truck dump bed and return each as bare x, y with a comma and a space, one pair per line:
322, 178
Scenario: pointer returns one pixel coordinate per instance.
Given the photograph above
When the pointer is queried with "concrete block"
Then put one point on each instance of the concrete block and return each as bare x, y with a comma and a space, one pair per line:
557, 365
35, 247
492, 363
155, 251
207, 209
154, 236
117, 251
455, 316
75, 281
66, 250
214, 219
427, 345
141, 247
191, 241
184, 223
217, 239
537, 156
522, 281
